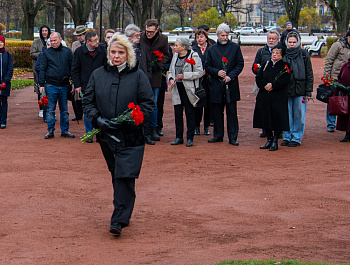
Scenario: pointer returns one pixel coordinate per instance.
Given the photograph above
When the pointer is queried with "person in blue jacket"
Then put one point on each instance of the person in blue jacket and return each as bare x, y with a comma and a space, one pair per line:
6, 73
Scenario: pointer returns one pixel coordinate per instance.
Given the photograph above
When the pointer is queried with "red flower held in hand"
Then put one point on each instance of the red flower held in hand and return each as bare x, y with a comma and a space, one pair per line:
224, 60
256, 67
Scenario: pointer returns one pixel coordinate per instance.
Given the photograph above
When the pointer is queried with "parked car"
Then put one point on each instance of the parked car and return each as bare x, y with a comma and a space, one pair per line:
237, 30
186, 29
259, 29
247, 30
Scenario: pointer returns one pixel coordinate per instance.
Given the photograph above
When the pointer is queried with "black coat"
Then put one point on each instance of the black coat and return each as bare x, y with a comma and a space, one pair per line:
55, 67
6, 72
107, 95
271, 108
213, 65
84, 64
262, 56
144, 60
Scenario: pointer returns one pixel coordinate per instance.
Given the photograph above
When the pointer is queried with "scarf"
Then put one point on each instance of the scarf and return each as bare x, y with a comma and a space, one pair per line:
2, 50
294, 56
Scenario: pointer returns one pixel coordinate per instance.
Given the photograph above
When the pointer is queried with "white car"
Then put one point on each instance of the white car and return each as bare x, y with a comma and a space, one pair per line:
259, 30
247, 30
186, 29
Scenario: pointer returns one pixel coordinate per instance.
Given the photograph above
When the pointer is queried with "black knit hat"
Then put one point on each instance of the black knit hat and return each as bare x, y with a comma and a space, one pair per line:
205, 27
279, 46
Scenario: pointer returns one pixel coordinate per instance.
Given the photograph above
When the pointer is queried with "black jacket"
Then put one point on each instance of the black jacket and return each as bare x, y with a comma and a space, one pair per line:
84, 64
144, 60
55, 68
213, 65
262, 56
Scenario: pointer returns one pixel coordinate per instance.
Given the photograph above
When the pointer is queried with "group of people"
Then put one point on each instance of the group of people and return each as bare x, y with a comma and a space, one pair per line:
128, 71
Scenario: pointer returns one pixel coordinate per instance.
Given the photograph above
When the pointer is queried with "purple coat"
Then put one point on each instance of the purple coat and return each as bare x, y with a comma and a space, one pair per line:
343, 122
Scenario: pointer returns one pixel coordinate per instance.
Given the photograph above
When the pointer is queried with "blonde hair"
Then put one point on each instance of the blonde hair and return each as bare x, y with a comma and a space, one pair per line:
122, 41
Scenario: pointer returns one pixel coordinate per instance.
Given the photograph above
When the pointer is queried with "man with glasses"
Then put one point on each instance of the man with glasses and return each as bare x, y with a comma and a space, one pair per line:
86, 59
153, 40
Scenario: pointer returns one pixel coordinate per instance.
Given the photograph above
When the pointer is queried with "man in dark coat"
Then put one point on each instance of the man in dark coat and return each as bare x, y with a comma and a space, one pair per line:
86, 59
224, 63
133, 33
289, 28
55, 71
153, 40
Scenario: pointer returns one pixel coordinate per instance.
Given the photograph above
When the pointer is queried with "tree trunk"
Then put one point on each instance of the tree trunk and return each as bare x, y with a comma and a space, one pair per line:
341, 14
59, 18
28, 26
113, 14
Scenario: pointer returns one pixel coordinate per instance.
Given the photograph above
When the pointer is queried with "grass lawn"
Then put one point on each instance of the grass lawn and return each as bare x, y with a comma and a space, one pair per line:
21, 83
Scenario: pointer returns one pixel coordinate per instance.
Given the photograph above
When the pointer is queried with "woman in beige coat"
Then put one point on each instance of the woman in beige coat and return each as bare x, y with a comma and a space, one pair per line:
184, 74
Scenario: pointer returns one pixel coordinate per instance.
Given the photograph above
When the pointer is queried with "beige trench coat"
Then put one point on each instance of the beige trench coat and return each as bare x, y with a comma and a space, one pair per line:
189, 76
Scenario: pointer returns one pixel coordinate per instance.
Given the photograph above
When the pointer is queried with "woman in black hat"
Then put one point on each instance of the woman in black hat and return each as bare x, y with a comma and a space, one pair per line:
271, 107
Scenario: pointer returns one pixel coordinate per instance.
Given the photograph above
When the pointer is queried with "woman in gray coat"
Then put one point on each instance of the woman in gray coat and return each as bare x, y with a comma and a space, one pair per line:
110, 90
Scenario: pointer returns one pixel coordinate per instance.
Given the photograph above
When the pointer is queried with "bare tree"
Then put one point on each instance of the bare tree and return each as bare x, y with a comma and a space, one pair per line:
181, 7
113, 13
293, 8
79, 10
341, 13
142, 10
30, 10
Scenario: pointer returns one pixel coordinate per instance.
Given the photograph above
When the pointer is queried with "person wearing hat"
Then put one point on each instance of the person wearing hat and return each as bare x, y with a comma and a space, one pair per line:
271, 107
80, 33
289, 28
6, 72
337, 55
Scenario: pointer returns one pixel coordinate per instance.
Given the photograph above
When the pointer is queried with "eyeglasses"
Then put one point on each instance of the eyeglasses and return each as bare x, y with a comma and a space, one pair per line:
150, 32
96, 40
137, 35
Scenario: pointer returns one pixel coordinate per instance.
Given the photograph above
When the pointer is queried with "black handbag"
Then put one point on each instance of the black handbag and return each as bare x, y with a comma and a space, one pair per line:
200, 92
323, 92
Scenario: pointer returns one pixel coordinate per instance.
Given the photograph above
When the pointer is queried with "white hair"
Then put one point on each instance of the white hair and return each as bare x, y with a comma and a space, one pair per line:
131, 29
223, 27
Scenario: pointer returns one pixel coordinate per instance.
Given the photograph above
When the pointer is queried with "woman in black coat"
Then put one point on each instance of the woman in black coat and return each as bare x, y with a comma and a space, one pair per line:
271, 107
202, 43
6, 72
110, 90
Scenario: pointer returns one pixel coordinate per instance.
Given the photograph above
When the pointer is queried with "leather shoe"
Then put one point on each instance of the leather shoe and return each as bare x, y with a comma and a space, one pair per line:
116, 229
160, 132
3, 126
267, 145
215, 140
263, 134
206, 131
284, 143
149, 141
233, 142
189, 143
293, 144
49, 135
177, 141
154, 135
67, 135
196, 131
346, 138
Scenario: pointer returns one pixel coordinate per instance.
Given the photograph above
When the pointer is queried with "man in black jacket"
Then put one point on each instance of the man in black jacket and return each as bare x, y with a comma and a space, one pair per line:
224, 63
86, 59
55, 72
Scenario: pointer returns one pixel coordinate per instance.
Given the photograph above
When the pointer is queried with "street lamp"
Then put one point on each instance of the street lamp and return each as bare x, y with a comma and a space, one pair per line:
101, 21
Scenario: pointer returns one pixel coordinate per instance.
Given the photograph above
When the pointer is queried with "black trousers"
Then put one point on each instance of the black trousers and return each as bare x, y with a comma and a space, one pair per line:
231, 119
189, 112
78, 109
160, 105
123, 190
270, 134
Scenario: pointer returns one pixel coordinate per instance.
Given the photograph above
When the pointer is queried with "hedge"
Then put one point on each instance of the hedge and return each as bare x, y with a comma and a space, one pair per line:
21, 56
12, 43
330, 41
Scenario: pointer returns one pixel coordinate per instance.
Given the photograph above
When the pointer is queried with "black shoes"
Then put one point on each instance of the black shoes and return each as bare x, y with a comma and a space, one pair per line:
274, 146
263, 134
267, 145
49, 135
67, 135
346, 138
178, 141
293, 144
197, 131
160, 132
189, 143
233, 142
116, 229
149, 141
215, 140
206, 131
284, 143
154, 135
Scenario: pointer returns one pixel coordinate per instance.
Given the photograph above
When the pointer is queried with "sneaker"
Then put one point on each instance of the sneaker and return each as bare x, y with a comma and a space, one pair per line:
41, 113
3, 126
293, 144
331, 129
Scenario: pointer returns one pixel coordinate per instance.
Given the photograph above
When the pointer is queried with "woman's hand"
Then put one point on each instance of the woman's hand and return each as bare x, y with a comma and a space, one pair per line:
268, 87
180, 76
227, 79
172, 82
222, 73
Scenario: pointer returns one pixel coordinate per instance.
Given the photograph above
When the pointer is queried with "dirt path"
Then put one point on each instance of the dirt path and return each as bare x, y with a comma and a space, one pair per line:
198, 205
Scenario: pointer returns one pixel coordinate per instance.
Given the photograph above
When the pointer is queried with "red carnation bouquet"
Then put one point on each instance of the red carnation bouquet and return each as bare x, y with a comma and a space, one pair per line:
284, 70
157, 56
132, 114
44, 100
331, 82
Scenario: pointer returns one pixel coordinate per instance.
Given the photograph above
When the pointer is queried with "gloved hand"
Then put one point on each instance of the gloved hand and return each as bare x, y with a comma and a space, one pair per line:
115, 125
155, 67
309, 94
103, 123
3, 86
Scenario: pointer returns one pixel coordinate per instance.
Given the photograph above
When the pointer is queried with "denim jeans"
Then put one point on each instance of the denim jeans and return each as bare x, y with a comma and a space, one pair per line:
57, 93
3, 109
330, 119
88, 125
154, 114
297, 111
